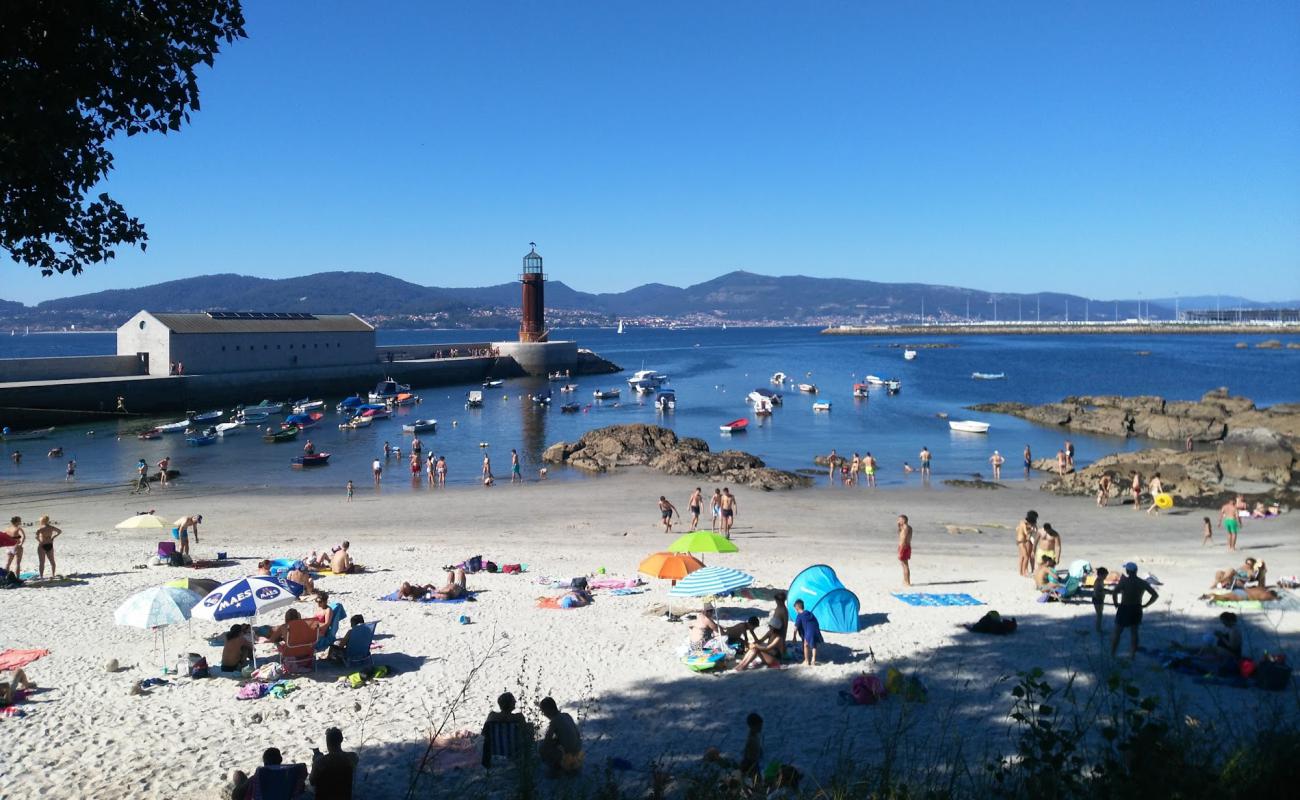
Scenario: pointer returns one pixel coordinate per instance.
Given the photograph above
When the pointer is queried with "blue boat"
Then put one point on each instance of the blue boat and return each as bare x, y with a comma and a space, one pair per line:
201, 440
349, 405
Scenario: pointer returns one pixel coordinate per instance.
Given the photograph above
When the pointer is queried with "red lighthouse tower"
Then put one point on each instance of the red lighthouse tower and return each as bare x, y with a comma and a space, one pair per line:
533, 326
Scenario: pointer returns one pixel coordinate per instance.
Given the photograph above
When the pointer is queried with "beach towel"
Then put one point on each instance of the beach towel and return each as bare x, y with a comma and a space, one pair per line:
17, 659
926, 599
623, 592
613, 583
760, 593
456, 751
394, 596
1286, 602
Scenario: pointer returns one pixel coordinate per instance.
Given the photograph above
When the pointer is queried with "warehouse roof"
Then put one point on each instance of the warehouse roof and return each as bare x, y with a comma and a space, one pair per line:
261, 322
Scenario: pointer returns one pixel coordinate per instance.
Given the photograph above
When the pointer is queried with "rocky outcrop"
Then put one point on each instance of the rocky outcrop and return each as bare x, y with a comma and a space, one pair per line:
606, 449
1209, 419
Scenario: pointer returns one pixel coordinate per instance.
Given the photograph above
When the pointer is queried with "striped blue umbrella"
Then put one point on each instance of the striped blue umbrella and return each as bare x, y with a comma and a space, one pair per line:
157, 608
245, 597
711, 581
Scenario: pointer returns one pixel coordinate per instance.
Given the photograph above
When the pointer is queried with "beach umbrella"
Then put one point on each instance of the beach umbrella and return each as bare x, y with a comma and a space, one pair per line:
243, 598
703, 542
155, 609
673, 566
711, 581
140, 521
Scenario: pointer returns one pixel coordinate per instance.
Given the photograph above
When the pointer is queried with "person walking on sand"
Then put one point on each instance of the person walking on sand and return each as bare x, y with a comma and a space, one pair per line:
1103, 490
163, 466
45, 536
1029, 461
831, 461
14, 555
377, 468
905, 548
1208, 537
715, 506
695, 504
516, 476
1231, 522
142, 478
1128, 597
666, 512
925, 462
997, 461
728, 507
1155, 488
1135, 489
1026, 535
351, 489
1099, 594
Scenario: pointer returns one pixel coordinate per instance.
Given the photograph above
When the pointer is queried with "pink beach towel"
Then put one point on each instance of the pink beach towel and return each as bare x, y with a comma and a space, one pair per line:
17, 659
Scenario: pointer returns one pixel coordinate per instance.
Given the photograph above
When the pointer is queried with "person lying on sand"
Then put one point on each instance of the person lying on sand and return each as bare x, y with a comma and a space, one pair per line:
414, 591
14, 687
455, 587
1245, 593
575, 598
1251, 571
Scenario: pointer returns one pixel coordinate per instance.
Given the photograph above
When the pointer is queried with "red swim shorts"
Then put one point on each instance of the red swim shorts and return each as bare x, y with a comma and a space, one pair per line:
905, 553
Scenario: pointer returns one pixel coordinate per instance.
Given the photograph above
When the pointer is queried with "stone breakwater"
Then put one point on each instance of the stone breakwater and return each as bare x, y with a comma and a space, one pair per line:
606, 449
1240, 448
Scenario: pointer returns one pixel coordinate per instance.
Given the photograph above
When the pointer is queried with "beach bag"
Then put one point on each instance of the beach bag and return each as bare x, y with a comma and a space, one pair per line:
472, 565
994, 623
490, 566
1273, 676
1246, 667
176, 560
867, 690
268, 673
198, 666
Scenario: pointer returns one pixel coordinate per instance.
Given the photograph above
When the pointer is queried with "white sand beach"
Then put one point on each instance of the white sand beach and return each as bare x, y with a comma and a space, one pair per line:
612, 664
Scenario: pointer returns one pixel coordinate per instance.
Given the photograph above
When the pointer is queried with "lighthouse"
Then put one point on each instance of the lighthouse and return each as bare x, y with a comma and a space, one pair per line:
532, 327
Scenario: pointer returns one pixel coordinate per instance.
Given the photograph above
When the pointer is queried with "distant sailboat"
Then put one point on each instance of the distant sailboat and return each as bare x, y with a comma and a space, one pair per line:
724, 326
620, 326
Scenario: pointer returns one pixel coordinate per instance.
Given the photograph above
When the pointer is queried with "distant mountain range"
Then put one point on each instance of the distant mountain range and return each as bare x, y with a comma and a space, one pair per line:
740, 297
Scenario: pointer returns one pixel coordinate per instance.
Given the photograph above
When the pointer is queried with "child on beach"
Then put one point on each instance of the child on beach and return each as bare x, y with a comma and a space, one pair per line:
350, 490
1099, 594
807, 629
1209, 531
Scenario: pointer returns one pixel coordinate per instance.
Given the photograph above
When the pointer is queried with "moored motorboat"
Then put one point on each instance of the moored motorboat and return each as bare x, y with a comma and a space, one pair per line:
20, 436
873, 380
356, 422
569, 387
386, 390
311, 460
493, 383
645, 387
824, 405
247, 418
208, 416
909, 355
201, 439
286, 433
149, 435
404, 399
772, 397
762, 407
374, 411
605, 394
989, 376
267, 407
474, 399
778, 378
735, 426
421, 426
808, 388
861, 390
666, 400
224, 428
349, 405
968, 426
646, 377
306, 405
559, 375
173, 427
570, 408
893, 385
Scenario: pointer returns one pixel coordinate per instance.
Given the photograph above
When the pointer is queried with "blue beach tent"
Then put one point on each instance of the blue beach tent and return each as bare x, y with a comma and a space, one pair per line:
822, 593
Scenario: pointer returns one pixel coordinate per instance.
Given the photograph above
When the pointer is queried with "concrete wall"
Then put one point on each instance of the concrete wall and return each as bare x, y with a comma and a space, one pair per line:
415, 352
55, 369
539, 358
144, 334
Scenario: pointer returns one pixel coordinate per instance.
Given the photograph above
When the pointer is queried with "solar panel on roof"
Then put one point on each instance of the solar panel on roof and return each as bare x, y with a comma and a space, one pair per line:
261, 315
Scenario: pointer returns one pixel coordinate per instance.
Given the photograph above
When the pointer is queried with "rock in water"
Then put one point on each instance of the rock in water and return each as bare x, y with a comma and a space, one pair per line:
614, 446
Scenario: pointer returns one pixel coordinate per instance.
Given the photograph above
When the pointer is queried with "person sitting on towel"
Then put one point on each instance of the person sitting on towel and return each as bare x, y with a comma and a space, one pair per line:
705, 628
575, 598
14, 687
301, 577
341, 561
1045, 576
237, 650
455, 587
742, 633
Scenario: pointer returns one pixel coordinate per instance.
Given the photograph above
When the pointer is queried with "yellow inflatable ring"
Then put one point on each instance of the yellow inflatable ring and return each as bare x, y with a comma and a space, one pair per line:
1164, 500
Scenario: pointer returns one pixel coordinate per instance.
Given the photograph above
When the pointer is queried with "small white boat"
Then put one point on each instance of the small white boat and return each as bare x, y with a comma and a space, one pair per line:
305, 406
474, 399
778, 378
569, 387
767, 394
873, 380
249, 418
989, 376
493, 383
620, 326
421, 426
605, 394
559, 376
968, 426
666, 400
861, 390
357, 422
174, 427
808, 388
893, 385
762, 407
646, 376
387, 389
19, 436
228, 427
645, 387
822, 406
209, 416
909, 355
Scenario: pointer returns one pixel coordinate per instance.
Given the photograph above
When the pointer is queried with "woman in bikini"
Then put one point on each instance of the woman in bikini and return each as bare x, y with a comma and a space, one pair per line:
45, 536
1026, 533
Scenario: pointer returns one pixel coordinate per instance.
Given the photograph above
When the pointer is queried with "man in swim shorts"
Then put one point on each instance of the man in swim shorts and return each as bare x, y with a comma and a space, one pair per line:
869, 468
715, 504
45, 536
666, 511
515, 475
694, 504
185, 525
727, 505
1128, 594
1231, 522
925, 461
905, 548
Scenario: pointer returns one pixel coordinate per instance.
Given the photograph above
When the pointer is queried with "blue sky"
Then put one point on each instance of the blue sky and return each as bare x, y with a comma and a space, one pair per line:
1105, 149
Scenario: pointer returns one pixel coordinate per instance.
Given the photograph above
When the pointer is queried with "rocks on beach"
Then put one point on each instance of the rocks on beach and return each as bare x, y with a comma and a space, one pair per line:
1255, 448
606, 449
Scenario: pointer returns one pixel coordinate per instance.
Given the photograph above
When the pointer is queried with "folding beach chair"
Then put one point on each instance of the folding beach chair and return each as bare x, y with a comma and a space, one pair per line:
357, 653
298, 652
504, 739
330, 634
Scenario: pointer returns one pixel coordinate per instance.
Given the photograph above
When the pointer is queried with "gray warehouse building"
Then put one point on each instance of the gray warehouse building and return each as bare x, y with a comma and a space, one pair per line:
243, 341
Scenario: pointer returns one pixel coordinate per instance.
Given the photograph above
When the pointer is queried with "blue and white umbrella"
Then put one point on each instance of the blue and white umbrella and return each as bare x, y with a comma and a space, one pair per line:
157, 608
244, 598
711, 581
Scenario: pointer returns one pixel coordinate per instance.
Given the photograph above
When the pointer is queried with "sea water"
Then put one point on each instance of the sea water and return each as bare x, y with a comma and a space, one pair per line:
712, 371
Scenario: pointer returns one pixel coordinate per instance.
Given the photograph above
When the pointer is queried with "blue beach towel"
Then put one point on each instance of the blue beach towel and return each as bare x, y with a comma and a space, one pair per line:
924, 599
394, 597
